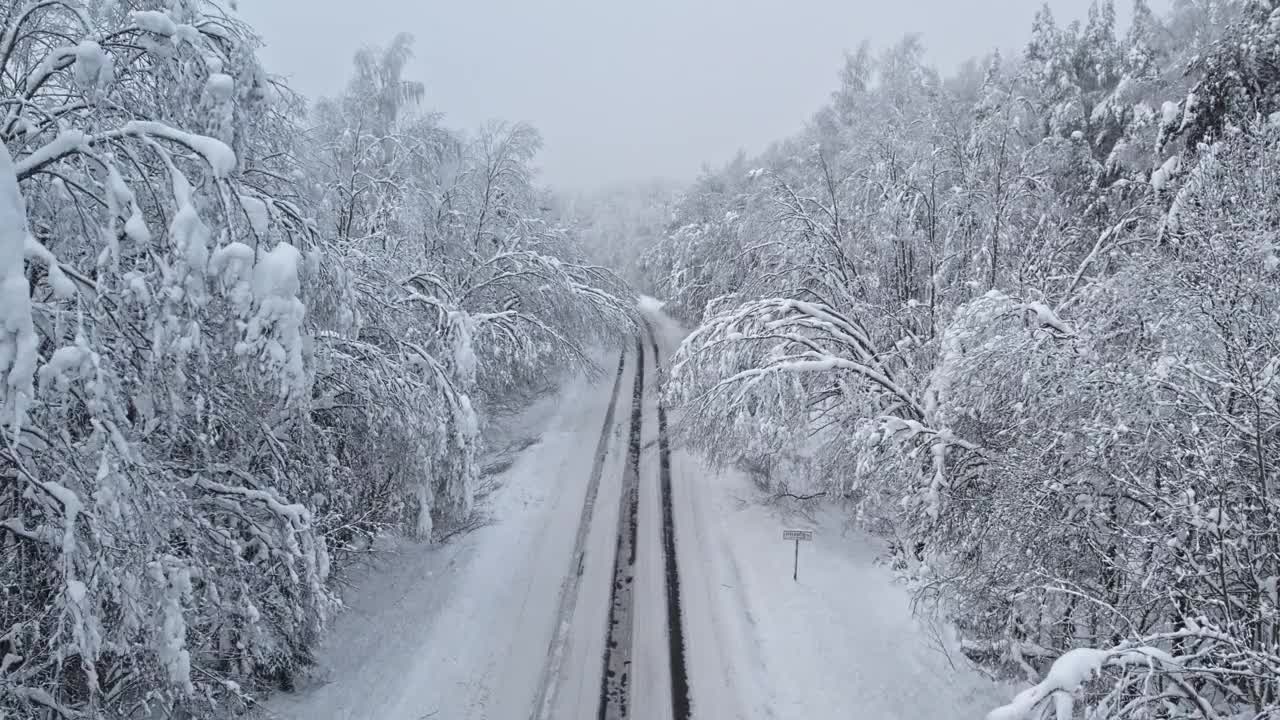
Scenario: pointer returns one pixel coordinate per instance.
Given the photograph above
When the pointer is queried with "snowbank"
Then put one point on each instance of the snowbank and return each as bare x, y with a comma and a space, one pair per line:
460, 630
840, 642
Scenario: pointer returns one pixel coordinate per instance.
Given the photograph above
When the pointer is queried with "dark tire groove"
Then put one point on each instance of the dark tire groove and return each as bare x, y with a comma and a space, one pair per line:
681, 705
615, 684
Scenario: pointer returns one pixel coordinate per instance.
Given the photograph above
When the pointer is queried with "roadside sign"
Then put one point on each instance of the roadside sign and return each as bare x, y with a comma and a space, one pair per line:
797, 535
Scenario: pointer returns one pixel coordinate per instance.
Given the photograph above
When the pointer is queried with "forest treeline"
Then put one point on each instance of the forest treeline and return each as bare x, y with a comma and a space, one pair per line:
240, 335
1024, 319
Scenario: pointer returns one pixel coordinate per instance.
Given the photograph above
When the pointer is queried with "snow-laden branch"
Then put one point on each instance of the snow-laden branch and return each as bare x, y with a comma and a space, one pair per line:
219, 157
830, 340
16, 23
1214, 656
812, 362
1068, 674
298, 516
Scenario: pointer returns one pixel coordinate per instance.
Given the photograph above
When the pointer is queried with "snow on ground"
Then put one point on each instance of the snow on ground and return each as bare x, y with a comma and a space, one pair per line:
577, 688
838, 643
461, 630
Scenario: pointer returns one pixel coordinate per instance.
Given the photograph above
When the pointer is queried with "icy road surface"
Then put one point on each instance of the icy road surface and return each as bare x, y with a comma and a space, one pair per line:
561, 607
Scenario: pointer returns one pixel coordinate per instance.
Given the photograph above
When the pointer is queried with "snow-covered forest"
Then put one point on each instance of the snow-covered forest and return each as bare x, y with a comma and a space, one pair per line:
238, 337
1024, 318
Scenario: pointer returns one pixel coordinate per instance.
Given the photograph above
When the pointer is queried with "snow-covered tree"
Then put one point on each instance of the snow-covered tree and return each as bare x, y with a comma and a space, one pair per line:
1021, 319
157, 364
232, 349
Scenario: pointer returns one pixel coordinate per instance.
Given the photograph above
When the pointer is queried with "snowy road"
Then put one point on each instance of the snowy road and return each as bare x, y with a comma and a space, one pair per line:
632, 664
622, 578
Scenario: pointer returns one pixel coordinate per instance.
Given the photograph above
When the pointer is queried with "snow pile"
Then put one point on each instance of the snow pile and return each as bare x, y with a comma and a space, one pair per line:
139, 291
462, 327
233, 264
255, 208
221, 158
93, 69
63, 288
171, 645
154, 21
219, 98
276, 274
64, 143
191, 238
67, 364
85, 628
1045, 317
1195, 181
265, 296
220, 86
1166, 172
71, 507
17, 333
121, 201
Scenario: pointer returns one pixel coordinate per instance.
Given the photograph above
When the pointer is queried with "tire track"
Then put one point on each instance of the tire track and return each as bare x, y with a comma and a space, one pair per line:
615, 685
680, 700
549, 685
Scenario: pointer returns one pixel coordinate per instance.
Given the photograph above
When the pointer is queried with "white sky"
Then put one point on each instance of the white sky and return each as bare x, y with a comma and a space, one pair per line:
626, 90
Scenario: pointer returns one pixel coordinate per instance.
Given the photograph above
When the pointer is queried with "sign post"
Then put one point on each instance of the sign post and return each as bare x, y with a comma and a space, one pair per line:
797, 535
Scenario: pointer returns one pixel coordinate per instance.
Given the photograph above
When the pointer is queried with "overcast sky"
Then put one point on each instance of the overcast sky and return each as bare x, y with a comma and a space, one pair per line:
626, 90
